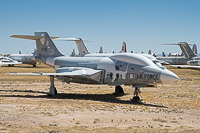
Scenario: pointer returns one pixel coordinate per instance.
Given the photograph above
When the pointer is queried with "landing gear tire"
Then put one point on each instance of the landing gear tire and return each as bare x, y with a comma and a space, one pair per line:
52, 91
118, 91
136, 98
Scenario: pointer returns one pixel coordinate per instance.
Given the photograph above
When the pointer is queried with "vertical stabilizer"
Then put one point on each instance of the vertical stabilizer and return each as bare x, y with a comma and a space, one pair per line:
46, 49
79, 43
123, 50
150, 52
81, 47
187, 51
194, 49
73, 54
163, 54
101, 50
45, 46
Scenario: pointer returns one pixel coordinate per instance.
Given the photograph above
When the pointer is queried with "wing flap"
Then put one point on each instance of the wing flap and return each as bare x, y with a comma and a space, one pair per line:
90, 74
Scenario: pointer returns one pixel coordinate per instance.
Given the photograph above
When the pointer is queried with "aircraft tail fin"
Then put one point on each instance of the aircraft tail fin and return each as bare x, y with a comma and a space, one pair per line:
73, 54
186, 49
150, 52
101, 50
123, 50
163, 54
194, 49
45, 46
80, 44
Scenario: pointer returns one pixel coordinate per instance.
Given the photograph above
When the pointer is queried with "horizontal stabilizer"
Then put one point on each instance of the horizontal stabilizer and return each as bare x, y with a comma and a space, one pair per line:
30, 37
70, 39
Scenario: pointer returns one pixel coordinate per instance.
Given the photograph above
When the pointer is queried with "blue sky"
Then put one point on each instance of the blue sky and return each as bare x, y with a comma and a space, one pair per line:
142, 24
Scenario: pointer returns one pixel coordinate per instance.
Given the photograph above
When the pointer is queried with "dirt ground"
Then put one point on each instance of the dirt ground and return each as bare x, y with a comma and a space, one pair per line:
26, 107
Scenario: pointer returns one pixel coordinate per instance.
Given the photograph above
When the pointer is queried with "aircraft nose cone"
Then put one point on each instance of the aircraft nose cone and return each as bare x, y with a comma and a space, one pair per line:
168, 76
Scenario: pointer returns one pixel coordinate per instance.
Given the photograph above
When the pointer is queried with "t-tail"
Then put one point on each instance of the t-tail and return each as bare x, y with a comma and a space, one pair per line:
186, 49
46, 49
80, 44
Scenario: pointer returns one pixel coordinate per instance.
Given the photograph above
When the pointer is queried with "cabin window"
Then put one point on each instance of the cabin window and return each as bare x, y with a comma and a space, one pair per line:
132, 68
110, 75
131, 76
121, 66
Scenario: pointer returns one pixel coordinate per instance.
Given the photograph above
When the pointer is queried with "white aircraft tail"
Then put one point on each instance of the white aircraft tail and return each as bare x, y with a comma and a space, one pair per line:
80, 44
123, 48
186, 49
194, 49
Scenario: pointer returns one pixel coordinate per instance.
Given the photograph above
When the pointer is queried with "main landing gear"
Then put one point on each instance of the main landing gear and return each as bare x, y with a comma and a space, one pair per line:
118, 91
52, 89
136, 98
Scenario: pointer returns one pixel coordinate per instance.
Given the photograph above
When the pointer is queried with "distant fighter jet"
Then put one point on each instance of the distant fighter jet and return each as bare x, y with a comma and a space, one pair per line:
8, 61
116, 69
24, 58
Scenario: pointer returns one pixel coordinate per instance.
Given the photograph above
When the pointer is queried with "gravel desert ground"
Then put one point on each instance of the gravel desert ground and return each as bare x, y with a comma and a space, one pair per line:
26, 107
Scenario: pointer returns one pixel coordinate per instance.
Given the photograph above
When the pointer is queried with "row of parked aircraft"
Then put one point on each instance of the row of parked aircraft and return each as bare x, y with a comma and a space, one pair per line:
188, 58
115, 69
14, 59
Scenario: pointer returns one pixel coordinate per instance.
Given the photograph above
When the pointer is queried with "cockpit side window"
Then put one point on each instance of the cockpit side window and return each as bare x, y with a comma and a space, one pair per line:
121, 66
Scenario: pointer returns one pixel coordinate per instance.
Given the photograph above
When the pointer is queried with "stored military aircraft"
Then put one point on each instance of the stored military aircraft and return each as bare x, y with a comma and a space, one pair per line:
84, 52
24, 58
8, 61
116, 69
188, 54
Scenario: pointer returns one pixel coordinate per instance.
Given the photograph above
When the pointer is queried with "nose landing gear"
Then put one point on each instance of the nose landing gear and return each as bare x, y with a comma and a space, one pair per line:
52, 89
136, 98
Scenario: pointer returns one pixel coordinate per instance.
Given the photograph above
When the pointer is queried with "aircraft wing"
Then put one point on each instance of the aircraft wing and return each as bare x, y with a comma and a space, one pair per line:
9, 63
186, 66
163, 62
81, 73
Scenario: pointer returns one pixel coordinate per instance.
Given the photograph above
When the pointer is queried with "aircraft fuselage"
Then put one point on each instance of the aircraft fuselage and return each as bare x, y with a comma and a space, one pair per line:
119, 69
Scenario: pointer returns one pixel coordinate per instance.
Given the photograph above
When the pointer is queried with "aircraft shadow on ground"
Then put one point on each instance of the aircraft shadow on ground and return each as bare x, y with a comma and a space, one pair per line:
95, 97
